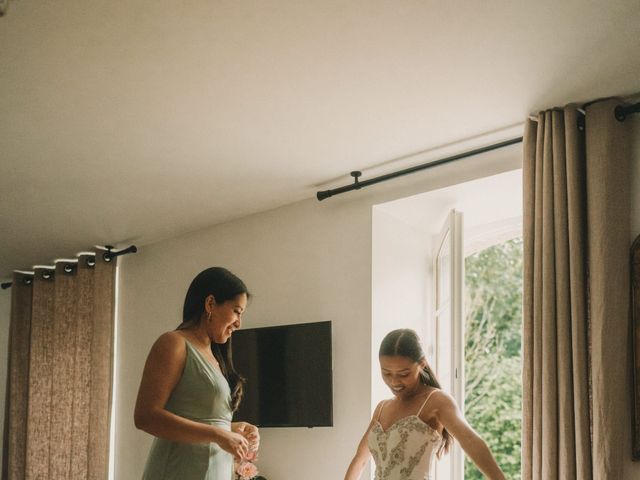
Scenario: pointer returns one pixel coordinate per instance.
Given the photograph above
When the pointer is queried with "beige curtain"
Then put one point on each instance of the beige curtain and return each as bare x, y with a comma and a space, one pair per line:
576, 294
60, 364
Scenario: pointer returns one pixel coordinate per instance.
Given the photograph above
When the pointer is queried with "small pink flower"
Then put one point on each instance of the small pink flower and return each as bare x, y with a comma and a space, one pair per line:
251, 456
246, 470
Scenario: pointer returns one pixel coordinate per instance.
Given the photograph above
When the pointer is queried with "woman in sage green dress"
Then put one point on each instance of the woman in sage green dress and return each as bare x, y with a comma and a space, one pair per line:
190, 389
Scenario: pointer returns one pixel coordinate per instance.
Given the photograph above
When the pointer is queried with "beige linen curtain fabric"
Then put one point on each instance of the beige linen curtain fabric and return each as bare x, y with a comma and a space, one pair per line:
60, 364
576, 294
17, 375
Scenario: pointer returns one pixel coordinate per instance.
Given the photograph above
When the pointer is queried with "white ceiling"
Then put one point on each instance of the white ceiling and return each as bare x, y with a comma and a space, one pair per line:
139, 120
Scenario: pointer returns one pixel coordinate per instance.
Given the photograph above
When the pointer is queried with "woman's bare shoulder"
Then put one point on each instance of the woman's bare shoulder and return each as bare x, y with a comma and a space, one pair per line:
442, 401
170, 343
439, 395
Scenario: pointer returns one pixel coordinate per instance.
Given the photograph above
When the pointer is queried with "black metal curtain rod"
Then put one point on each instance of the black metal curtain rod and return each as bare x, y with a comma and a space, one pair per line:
106, 256
621, 112
357, 184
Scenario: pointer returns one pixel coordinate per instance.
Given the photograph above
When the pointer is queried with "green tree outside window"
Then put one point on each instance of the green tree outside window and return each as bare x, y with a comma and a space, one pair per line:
493, 362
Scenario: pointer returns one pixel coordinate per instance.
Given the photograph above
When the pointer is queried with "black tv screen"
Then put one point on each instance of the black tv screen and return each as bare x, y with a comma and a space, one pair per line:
289, 375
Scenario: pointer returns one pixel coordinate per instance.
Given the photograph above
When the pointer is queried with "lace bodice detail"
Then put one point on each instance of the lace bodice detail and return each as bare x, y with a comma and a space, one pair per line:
406, 450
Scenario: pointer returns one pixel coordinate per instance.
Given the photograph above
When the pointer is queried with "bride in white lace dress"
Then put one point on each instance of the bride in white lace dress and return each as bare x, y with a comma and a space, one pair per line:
408, 432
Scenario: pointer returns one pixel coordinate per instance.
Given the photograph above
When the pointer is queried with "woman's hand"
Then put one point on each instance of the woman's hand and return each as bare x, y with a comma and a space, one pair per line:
234, 443
249, 432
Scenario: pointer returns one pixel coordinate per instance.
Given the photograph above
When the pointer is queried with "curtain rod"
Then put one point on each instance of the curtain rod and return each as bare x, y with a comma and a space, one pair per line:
621, 112
357, 184
106, 256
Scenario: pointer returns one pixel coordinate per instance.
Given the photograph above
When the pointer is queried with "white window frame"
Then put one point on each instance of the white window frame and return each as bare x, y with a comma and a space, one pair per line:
451, 238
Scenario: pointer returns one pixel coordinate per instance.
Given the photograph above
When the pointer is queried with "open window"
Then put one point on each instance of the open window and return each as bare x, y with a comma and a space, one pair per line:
448, 264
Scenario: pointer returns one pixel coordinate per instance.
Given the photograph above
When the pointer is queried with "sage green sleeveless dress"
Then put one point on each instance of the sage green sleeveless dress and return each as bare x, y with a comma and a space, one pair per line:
202, 395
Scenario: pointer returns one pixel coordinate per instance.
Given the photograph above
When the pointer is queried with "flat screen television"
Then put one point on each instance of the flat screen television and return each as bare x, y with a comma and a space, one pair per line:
289, 375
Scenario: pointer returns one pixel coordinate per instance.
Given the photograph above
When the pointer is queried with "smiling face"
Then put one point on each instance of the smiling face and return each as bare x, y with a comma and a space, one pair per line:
225, 317
401, 374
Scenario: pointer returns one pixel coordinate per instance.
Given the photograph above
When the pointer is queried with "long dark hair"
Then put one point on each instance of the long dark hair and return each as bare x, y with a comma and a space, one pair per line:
404, 342
224, 286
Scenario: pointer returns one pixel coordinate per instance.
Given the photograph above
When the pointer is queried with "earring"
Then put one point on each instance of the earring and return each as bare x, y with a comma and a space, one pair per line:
209, 317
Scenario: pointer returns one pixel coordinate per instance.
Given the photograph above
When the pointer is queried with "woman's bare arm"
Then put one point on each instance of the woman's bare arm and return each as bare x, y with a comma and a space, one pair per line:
362, 455
450, 416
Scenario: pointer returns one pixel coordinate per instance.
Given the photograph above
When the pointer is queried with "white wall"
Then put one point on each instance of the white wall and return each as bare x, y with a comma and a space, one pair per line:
400, 267
301, 268
5, 312
304, 262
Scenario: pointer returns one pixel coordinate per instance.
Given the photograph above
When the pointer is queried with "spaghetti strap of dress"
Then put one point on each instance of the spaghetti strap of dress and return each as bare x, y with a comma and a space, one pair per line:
425, 401
380, 412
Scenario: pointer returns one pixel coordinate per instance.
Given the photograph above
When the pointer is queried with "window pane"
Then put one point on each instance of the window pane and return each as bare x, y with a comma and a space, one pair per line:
493, 398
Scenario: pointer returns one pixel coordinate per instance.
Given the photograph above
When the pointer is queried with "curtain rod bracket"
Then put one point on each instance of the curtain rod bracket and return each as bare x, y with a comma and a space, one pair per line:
621, 112
110, 254
356, 174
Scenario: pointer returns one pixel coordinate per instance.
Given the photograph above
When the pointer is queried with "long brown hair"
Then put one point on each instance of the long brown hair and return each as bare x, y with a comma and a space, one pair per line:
224, 286
405, 343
